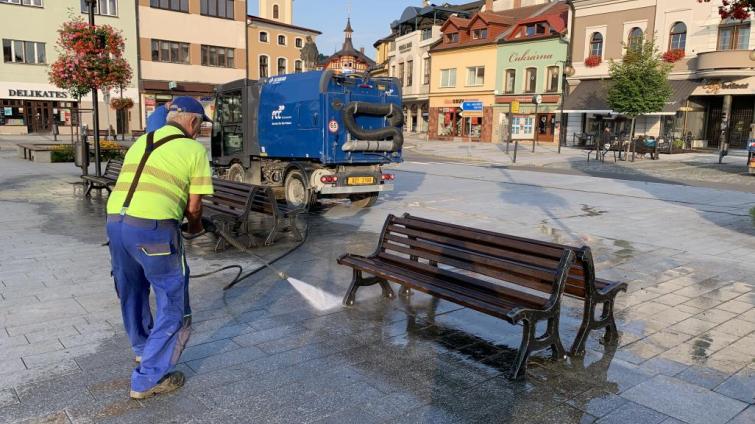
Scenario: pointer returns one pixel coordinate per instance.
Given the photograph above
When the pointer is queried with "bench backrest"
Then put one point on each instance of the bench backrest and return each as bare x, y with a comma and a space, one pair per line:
230, 195
264, 202
581, 279
438, 248
113, 168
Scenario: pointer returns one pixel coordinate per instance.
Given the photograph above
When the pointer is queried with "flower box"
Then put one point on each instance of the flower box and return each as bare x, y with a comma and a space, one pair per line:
673, 55
593, 61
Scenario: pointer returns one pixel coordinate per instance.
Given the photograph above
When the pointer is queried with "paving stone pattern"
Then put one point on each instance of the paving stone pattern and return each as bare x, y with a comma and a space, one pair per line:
261, 353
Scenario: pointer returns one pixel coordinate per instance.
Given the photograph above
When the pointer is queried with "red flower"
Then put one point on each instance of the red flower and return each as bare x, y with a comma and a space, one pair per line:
593, 61
673, 55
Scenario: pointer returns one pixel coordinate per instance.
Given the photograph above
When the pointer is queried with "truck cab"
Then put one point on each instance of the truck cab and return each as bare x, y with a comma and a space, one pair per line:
310, 135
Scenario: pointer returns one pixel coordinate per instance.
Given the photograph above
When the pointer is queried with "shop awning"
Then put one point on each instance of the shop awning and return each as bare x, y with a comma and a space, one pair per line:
590, 97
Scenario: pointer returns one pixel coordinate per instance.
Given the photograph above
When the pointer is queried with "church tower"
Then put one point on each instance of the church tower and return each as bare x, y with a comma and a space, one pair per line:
277, 10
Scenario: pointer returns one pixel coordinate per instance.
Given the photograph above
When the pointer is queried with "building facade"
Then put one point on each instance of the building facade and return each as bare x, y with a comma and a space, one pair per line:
531, 59
188, 47
275, 44
417, 30
711, 77
385, 49
30, 104
348, 59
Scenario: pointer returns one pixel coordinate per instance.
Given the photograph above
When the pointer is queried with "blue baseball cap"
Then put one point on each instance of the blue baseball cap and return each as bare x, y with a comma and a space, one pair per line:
188, 104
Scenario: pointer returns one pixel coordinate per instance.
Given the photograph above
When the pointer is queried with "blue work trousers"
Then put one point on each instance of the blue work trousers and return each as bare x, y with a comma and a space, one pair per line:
148, 254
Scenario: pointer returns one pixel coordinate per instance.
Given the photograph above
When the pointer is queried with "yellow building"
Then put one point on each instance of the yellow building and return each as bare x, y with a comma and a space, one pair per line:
348, 59
385, 48
275, 44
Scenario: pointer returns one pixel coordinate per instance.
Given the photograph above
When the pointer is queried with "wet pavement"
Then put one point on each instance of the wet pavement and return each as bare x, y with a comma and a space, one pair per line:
261, 352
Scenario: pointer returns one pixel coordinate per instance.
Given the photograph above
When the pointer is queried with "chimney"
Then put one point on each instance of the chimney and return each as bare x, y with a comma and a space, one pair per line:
488, 5
361, 50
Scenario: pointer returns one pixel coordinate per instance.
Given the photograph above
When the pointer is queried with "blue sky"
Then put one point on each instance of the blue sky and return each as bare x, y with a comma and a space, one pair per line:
370, 18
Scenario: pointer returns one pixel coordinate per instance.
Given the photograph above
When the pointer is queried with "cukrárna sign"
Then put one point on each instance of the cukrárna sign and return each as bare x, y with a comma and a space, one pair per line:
528, 56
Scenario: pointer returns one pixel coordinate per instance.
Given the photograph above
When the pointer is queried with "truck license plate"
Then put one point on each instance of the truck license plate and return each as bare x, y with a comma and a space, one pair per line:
360, 180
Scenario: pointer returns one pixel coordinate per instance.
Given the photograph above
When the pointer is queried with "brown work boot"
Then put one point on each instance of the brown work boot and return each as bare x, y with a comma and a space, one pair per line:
169, 383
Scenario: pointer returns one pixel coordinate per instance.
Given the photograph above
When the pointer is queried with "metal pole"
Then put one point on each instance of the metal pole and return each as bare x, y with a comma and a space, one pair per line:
535, 128
516, 147
96, 109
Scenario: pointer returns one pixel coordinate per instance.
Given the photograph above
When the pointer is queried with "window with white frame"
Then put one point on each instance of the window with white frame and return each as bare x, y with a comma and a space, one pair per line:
409, 73
596, 44
282, 40
636, 37
475, 76
264, 67
299, 43
678, 37
480, 34
510, 81
282, 66
426, 67
448, 77
552, 79
530, 82
263, 37
222, 57
401, 73
175, 5
170, 51
734, 36
18, 51
36, 3
101, 7
298, 67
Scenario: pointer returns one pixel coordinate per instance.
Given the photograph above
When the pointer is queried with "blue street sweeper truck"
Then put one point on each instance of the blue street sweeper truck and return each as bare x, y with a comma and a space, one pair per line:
310, 135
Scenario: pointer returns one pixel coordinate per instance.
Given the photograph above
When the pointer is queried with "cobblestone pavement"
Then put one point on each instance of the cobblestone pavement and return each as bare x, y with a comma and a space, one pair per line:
700, 169
261, 353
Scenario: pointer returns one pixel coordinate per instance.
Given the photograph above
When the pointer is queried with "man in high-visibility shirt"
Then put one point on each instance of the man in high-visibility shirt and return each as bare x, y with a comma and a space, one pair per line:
164, 175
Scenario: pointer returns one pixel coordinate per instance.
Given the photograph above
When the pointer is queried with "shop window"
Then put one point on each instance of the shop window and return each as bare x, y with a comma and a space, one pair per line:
264, 67
635, 39
298, 68
734, 37
299, 43
453, 37
510, 82
37, 3
449, 122
101, 7
175, 5
475, 76
522, 126
409, 73
553, 75
596, 44
170, 51
448, 78
17, 51
217, 8
282, 40
223, 57
480, 34
426, 67
282, 66
530, 83
276, 12
678, 38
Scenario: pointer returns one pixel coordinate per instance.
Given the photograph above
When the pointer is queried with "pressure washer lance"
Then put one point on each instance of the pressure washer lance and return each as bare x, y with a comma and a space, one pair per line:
209, 227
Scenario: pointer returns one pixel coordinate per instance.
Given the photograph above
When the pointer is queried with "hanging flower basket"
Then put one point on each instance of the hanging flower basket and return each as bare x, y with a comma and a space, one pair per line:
120, 104
673, 55
593, 61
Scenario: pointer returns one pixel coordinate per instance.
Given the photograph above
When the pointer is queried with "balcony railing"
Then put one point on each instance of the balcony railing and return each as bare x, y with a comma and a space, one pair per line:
725, 63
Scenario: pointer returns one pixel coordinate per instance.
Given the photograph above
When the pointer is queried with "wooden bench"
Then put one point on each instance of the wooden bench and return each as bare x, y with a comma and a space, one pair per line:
103, 133
136, 134
107, 180
472, 268
236, 201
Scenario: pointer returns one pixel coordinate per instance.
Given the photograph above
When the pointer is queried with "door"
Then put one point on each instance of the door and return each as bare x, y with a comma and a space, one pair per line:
546, 124
713, 124
741, 118
39, 116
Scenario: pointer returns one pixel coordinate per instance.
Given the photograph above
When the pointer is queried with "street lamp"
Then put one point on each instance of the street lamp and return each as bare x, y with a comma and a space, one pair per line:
95, 104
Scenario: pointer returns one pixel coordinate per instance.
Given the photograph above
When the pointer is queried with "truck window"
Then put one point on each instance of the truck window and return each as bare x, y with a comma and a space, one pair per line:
229, 128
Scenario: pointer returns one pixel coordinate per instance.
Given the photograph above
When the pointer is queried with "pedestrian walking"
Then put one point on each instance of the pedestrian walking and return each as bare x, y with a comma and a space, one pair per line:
164, 175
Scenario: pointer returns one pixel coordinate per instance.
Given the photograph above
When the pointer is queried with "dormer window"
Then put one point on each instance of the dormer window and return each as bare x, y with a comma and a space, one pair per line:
480, 34
453, 37
534, 29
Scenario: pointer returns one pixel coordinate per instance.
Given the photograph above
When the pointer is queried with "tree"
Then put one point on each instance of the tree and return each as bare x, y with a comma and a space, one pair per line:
639, 83
735, 9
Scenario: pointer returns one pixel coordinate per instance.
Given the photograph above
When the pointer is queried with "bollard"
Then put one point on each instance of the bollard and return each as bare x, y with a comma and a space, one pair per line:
533, 145
516, 147
507, 146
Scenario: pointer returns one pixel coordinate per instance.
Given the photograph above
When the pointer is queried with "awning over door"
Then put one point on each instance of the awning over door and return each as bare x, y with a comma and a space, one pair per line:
590, 97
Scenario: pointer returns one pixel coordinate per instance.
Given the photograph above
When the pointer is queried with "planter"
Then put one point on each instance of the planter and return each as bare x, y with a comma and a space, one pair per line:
593, 61
672, 56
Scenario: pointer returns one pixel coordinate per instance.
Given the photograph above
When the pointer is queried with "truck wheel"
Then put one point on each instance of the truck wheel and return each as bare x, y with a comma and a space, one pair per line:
236, 173
363, 200
296, 190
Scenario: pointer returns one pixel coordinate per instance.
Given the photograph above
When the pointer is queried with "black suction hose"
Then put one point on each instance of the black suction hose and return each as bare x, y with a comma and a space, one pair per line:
392, 131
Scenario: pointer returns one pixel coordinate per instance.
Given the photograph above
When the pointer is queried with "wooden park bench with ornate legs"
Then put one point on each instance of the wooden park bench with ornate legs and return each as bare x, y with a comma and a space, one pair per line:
473, 268
107, 180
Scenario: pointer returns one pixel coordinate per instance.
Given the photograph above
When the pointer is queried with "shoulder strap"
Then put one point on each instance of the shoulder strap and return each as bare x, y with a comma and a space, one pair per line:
148, 149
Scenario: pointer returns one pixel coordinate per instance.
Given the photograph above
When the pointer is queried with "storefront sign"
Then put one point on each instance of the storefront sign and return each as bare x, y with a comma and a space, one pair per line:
713, 87
405, 47
515, 106
40, 94
471, 105
528, 56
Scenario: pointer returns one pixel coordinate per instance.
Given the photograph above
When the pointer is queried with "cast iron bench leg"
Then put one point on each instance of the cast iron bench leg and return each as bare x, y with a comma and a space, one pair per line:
589, 323
359, 281
520, 363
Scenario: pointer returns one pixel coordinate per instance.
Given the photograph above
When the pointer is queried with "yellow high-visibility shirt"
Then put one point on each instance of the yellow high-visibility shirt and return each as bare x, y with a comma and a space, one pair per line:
174, 170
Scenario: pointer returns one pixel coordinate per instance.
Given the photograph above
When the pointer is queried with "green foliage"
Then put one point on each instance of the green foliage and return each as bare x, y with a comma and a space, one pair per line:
752, 213
63, 153
639, 83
